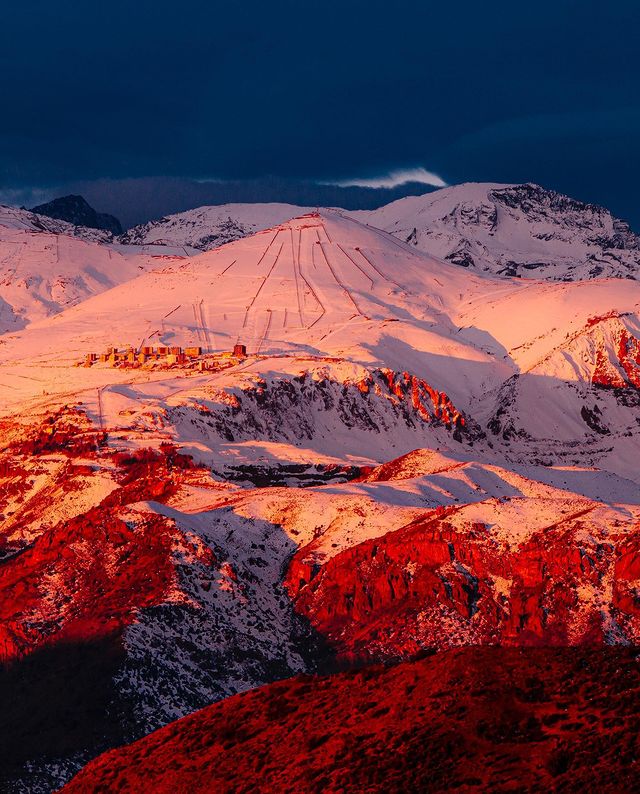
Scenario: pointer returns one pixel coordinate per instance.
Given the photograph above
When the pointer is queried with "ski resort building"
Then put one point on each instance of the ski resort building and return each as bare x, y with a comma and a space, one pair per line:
162, 354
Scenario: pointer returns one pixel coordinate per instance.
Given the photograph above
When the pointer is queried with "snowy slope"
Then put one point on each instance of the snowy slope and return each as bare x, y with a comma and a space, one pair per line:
514, 230
47, 265
14, 218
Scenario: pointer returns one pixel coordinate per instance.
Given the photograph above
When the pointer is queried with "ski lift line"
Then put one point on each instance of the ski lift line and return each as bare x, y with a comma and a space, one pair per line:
312, 290
266, 250
315, 295
201, 318
339, 283
253, 300
100, 413
382, 233
199, 332
266, 332
353, 261
228, 267
205, 328
324, 229
404, 246
377, 269
195, 317
317, 320
295, 276
333, 273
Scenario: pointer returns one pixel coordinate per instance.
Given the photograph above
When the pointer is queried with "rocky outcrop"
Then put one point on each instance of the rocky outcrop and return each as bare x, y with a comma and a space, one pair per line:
382, 403
431, 585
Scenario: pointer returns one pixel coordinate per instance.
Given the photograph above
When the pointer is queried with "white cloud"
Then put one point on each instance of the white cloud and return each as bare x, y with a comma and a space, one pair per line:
396, 178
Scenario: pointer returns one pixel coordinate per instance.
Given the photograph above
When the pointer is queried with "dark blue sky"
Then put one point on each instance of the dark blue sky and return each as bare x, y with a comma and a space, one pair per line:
494, 91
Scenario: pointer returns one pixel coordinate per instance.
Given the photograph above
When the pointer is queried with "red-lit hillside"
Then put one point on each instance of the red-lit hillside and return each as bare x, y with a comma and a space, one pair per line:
473, 719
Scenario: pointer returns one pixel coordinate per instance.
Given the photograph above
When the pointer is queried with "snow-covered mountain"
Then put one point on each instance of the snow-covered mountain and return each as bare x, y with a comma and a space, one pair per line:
205, 228
47, 265
467, 443
517, 230
511, 230
514, 230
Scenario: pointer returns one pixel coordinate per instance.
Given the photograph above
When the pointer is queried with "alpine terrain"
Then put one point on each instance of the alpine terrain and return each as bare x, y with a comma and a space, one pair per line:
322, 501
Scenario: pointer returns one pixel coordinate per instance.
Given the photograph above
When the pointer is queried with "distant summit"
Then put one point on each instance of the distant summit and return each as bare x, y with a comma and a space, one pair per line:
75, 210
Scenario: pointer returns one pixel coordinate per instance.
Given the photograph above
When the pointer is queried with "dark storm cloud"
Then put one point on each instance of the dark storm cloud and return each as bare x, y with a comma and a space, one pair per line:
500, 91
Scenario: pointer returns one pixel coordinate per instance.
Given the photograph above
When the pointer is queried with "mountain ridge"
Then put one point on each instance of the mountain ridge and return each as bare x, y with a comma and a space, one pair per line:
77, 211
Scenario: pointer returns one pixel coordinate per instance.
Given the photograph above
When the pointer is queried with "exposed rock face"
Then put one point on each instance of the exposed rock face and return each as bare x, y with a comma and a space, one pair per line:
75, 210
472, 719
617, 362
166, 616
431, 585
306, 406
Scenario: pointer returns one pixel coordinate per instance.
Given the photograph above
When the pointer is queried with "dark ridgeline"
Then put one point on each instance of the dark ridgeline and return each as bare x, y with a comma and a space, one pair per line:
74, 209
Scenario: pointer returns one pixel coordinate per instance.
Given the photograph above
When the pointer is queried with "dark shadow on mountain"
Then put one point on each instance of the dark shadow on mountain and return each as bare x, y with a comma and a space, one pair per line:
9, 320
65, 703
58, 702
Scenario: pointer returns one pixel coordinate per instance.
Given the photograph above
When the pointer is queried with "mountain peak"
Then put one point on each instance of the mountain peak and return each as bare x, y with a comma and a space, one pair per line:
76, 210
526, 231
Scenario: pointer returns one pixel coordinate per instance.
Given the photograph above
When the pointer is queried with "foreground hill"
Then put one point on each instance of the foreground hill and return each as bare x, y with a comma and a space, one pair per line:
475, 719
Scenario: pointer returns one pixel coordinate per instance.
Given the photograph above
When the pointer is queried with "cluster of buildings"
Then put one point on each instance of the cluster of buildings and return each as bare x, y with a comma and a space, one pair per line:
163, 353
